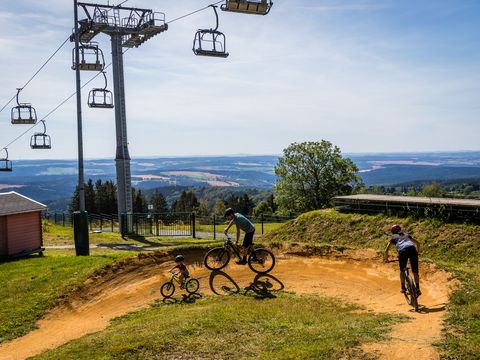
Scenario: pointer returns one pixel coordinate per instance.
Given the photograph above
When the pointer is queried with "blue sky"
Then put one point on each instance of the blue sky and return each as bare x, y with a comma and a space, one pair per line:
368, 75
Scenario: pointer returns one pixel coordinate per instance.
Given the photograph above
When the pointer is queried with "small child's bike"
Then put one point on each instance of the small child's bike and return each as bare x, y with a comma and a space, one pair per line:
191, 285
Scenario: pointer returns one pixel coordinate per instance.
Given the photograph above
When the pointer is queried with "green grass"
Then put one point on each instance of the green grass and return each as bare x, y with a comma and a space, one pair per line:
267, 228
455, 247
233, 327
33, 285
57, 235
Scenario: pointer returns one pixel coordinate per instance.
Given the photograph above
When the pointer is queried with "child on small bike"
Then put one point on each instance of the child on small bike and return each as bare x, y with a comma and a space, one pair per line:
407, 248
182, 269
241, 223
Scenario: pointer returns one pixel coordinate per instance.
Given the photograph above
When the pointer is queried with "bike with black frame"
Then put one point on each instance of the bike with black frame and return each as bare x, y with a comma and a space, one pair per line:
411, 290
259, 260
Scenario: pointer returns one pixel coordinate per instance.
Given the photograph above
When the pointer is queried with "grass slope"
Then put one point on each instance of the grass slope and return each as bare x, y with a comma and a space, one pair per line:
456, 247
233, 327
33, 285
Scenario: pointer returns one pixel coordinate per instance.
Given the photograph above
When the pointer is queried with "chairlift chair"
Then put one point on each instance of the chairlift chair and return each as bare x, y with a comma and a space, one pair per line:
255, 7
90, 57
210, 42
5, 164
24, 113
40, 141
101, 97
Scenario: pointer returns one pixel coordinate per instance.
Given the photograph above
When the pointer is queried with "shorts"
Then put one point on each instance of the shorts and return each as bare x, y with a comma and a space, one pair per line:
409, 253
185, 273
248, 239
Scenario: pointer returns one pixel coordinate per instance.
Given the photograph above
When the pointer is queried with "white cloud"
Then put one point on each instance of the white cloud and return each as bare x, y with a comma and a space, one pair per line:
293, 75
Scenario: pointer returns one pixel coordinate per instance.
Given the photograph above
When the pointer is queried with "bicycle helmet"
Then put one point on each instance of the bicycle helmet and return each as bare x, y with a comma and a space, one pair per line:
179, 258
229, 211
395, 229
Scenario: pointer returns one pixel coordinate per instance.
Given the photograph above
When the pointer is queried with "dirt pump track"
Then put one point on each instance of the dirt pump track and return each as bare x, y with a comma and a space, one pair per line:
354, 276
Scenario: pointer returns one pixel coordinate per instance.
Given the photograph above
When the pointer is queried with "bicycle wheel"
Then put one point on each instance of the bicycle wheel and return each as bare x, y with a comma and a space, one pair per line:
217, 258
192, 286
408, 290
167, 289
261, 261
411, 293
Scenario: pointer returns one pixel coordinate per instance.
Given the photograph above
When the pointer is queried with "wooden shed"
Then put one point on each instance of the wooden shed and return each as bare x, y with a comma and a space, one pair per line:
20, 225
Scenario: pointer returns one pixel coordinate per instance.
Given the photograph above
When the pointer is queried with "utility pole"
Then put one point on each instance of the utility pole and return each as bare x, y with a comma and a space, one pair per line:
128, 28
80, 218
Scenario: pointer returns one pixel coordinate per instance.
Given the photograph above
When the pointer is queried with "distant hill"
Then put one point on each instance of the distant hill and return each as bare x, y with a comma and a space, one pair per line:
53, 181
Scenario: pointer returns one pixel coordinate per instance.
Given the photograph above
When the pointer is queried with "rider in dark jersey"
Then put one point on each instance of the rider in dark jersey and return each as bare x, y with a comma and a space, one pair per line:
407, 248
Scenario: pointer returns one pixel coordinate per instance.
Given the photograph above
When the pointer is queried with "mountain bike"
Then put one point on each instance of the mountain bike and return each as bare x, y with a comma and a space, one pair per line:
191, 285
260, 260
410, 290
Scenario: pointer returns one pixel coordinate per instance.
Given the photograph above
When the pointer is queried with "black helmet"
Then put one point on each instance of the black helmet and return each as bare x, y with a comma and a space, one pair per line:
395, 229
179, 258
229, 211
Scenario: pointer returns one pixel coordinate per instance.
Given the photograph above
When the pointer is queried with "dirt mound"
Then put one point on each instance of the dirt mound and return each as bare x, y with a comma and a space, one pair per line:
133, 284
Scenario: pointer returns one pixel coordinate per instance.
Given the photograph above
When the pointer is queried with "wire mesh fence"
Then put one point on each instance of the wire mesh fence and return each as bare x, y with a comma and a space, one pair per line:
167, 224
214, 225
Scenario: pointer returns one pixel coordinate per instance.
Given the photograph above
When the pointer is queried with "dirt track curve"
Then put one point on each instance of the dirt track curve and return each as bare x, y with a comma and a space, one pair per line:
356, 277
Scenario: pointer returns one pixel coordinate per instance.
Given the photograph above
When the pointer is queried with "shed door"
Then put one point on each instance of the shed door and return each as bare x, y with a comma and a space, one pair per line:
3, 236
24, 232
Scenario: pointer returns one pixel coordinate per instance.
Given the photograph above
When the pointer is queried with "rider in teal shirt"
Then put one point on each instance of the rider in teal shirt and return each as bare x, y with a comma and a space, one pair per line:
241, 223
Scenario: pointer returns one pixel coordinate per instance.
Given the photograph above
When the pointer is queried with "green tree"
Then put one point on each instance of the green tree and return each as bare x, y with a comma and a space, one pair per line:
263, 207
90, 205
158, 202
310, 174
219, 208
272, 203
187, 202
432, 190
242, 204
140, 203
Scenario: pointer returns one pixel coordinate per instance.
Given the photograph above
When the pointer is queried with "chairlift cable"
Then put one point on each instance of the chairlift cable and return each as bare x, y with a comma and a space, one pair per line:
37, 72
194, 12
45, 64
89, 81
57, 107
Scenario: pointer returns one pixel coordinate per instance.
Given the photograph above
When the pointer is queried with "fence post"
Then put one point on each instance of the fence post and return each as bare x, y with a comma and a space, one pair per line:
63, 219
214, 227
111, 218
80, 233
55, 218
261, 219
101, 222
193, 225
123, 225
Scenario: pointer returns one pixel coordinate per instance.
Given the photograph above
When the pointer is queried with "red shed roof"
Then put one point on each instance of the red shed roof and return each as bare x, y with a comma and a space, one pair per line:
15, 203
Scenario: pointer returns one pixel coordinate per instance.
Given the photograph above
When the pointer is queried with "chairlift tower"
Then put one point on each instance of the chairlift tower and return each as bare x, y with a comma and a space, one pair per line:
127, 27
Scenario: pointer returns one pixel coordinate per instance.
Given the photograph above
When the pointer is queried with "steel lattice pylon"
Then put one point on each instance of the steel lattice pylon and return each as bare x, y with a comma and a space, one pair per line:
127, 27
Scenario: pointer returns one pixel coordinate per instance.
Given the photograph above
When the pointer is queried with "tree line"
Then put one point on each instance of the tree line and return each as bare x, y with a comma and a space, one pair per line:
309, 175
101, 198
